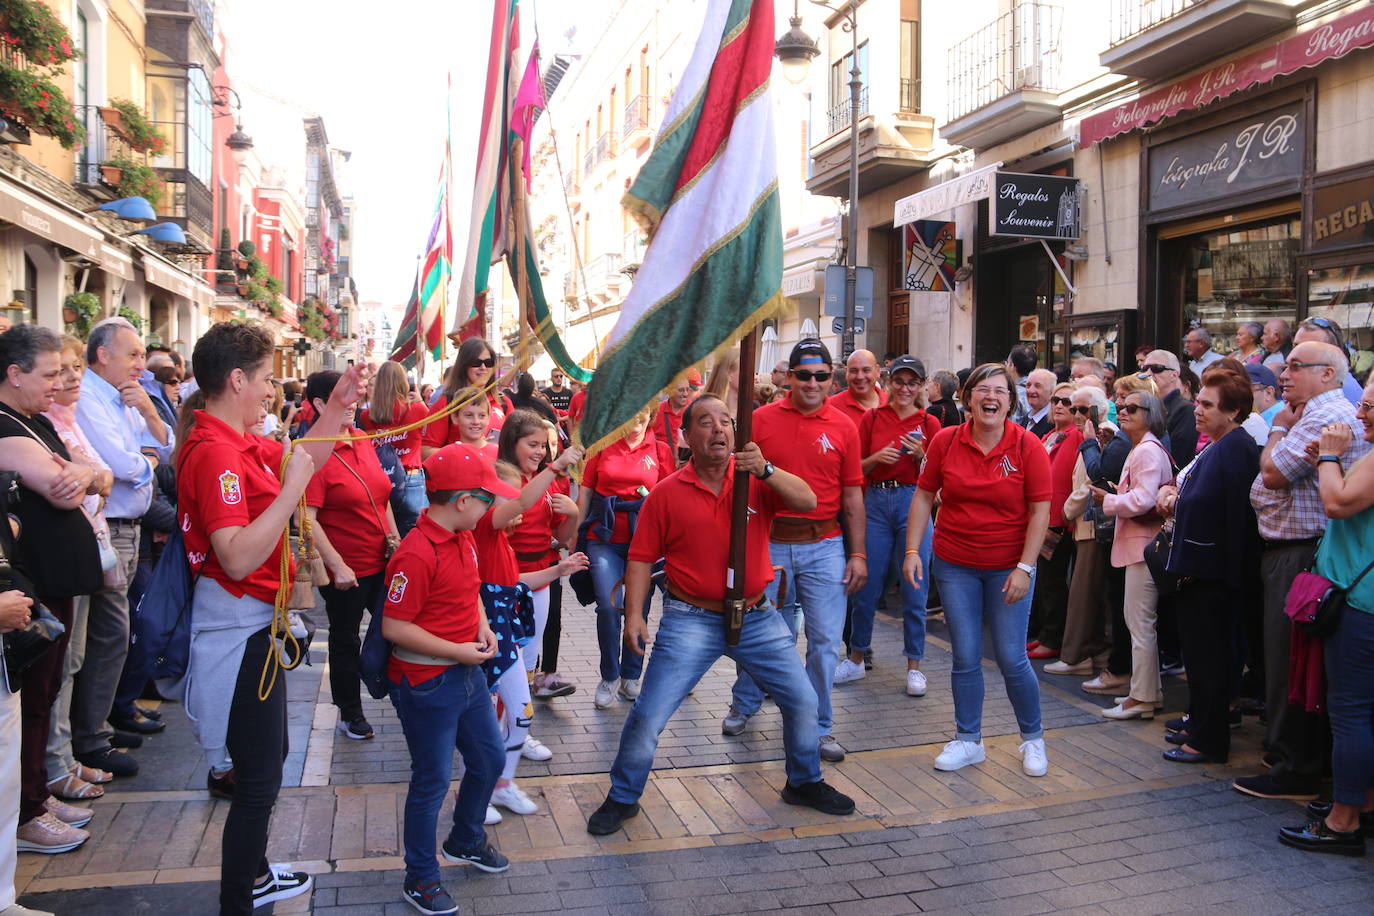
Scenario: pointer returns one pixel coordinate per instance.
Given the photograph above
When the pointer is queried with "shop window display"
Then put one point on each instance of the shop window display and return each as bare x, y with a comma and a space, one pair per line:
1345, 295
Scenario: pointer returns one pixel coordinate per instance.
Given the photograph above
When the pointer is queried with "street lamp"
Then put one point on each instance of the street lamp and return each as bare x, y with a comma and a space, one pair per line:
795, 50
239, 143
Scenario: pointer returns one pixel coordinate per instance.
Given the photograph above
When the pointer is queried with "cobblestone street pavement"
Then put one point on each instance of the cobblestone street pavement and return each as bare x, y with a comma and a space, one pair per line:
1113, 828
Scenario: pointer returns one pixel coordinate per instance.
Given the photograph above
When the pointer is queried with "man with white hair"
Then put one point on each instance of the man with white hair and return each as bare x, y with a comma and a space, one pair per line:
1198, 345
1039, 385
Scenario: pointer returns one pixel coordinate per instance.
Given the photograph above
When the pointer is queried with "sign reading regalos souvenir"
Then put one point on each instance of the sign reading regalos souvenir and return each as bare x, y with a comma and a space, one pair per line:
1254, 152
1035, 206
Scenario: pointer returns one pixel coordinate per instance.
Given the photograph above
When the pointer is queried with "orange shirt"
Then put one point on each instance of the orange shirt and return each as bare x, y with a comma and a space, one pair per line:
688, 525
821, 448
442, 603
853, 409
882, 427
985, 499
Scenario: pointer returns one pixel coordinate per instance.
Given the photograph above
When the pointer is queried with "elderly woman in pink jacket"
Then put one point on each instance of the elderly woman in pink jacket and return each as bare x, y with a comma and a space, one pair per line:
1142, 418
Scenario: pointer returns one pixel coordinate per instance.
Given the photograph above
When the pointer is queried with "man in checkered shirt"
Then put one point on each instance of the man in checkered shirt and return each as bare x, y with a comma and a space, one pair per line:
1291, 521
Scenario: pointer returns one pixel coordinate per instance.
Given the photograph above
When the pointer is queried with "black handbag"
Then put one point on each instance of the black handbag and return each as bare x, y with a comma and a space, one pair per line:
24, 646
1157, 561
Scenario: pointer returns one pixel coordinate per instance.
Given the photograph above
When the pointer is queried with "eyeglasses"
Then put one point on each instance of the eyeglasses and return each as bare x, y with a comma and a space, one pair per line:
489, 362
1131, 409
1064, 401
1085, 411
991, 392
1155, 369
480, 495
914, 382
1299, 364
1365, 406
806, 375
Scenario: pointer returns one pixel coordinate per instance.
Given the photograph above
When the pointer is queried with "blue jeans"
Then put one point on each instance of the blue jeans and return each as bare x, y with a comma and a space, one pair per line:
1350, 701
450, 710
688, 642
815, 586
885, 541
607, 569
973, 597
414, 501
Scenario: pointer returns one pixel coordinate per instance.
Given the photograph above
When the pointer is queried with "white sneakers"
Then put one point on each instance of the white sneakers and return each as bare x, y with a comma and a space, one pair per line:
959, 754
1033, 762
605, 694
534, 749
513, 799
629, 688
847, 671
915, 683
493, 817
47, 834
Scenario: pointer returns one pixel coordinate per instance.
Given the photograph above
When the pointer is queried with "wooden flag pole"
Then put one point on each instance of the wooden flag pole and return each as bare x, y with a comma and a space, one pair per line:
520, 256
739, 509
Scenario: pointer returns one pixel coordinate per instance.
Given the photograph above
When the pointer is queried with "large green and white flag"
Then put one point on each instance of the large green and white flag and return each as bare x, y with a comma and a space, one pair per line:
708, 198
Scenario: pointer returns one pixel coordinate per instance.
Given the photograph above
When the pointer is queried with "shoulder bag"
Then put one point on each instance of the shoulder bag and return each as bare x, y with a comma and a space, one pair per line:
24, 646
1315, 603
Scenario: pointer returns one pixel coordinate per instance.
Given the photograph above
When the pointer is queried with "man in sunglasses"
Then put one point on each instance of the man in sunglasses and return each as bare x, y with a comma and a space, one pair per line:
1162, 366
813, 439
1288, 508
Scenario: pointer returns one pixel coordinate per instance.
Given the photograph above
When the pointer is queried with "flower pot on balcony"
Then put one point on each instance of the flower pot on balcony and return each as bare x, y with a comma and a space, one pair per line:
112, 175
243, 289
69, 315
241, 263
115, 122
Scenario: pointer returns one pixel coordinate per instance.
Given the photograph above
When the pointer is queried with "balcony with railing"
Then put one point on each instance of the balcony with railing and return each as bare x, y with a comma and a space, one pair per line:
837, 115
1150, 39
604, 277
1004, 79
909, 97
891, 147
597, 153
635, 129
571, 184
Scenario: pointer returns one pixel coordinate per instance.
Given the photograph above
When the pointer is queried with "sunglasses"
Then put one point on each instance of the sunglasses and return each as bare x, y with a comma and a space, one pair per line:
489, 362
1064, 401
481, 496
1156, 369
806, 375
1085, 411
1131, 409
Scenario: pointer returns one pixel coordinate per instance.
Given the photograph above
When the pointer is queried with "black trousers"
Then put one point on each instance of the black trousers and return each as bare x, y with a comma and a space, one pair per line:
1050, 605
553, 630
1119, 662
345, 611
257, 743
1207, 619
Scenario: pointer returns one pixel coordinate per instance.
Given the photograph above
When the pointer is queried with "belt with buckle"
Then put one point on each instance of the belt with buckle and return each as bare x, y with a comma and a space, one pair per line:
888, 484
709, 604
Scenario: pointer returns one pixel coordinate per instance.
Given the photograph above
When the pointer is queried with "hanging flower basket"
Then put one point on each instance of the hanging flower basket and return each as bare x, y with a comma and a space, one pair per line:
112, 175
115, 122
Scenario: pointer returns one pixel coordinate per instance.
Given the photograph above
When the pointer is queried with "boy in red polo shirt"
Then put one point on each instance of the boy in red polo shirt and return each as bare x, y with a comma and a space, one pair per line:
440, 637
686, 521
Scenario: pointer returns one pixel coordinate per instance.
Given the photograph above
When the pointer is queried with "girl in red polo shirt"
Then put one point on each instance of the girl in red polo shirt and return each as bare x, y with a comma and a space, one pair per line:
993, 479
474, 368
234, 509
892, 439
614, 484
349, 505
391, 408
525, 443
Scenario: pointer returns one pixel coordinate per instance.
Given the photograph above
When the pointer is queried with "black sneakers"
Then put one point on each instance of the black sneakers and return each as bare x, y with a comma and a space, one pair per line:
356, 728
608, 818
1266, 785
281, 884
220, 786
429, 897
819, 795
485, 857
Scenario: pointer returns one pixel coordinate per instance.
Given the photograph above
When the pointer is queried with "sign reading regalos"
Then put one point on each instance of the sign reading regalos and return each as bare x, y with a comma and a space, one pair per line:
1342, 215
1035, 206
1251, 153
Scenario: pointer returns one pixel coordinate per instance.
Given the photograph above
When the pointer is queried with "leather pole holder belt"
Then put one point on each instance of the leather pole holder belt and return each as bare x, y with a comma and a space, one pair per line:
707, 604
532, 556
788, 530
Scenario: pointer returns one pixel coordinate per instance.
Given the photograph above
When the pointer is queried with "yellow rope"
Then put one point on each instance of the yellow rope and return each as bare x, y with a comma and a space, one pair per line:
281, 626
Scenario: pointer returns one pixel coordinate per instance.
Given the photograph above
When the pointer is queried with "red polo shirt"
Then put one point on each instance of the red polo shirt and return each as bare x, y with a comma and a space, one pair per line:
442, 603
821, 448
881, 427
688, 525
1063, 452
619, 470
407, 445
441, 432
674, 422
985, 499
225, 479
534, 534
576, 406
496, 562
354, 523
851, 408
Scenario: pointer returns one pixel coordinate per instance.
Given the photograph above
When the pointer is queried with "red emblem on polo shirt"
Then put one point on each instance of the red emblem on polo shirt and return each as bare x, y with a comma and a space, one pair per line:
397, 590
229, 490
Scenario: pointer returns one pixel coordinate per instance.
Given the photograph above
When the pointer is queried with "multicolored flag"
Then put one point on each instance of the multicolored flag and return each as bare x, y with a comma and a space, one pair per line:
403, 351
437, 268
708, 197
508, 110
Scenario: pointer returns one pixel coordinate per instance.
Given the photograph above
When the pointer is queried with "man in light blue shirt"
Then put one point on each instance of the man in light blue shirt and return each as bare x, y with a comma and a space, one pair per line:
122, 424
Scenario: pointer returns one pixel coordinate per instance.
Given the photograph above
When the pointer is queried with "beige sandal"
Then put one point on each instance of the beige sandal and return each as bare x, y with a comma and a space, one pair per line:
73, 788
92, 775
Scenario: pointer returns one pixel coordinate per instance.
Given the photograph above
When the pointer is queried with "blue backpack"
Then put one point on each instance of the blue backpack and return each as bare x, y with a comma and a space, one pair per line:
376, 651
163, 619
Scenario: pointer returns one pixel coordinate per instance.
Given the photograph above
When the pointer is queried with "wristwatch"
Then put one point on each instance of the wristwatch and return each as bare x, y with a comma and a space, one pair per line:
1026, 568
767, 471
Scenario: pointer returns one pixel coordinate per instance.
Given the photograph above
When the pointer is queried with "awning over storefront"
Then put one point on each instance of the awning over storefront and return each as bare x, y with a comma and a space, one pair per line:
1329, 41
115, 262
944, 197
162, 274
28, 211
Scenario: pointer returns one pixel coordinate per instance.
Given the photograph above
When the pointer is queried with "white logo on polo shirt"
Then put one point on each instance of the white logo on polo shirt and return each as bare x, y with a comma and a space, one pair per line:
823, 440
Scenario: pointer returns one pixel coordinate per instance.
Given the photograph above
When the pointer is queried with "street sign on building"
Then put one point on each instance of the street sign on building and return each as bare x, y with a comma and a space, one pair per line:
1035, 206
863, 291
837, 326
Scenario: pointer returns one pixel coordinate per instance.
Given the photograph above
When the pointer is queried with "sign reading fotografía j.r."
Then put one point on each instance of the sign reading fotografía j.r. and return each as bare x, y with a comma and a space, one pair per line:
1255, 152
1035, 206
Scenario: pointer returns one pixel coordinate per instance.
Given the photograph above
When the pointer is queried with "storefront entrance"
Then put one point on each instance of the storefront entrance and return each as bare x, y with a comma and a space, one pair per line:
1016, 289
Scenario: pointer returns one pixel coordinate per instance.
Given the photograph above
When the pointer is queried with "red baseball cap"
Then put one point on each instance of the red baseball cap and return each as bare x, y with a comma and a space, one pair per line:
461, 467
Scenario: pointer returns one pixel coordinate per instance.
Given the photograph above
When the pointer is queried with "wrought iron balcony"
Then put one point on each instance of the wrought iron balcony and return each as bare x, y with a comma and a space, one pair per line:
1004, 79
570, 183
910, 97
1155, 38
837, 117
636, 129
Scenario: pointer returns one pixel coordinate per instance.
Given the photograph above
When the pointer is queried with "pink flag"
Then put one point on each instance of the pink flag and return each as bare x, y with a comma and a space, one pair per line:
529, 98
